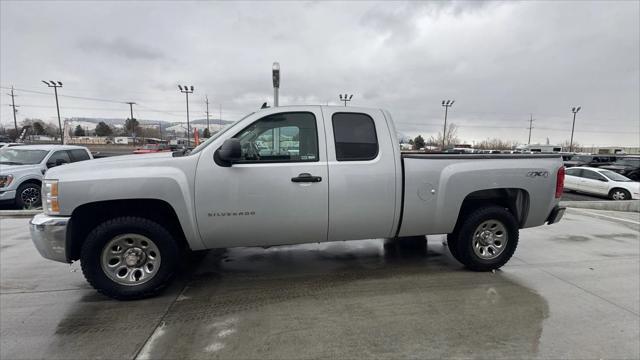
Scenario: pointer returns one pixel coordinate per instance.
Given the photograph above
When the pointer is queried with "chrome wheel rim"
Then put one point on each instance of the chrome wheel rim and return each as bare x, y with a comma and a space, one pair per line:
130, 259
490, 239
30, 196
618, 195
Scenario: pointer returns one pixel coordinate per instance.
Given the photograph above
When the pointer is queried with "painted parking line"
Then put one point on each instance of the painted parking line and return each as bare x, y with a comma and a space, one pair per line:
607, 216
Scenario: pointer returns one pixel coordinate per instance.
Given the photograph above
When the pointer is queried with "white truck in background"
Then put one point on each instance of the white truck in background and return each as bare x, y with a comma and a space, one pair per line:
287, 175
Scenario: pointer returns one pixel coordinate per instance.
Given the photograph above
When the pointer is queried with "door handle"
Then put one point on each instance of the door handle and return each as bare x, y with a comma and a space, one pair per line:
306, 177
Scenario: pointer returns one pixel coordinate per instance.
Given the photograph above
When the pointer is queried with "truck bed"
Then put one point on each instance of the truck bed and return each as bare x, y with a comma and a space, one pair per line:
435, 185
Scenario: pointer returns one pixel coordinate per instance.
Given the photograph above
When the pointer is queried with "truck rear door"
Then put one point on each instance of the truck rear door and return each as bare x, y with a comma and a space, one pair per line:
363, 172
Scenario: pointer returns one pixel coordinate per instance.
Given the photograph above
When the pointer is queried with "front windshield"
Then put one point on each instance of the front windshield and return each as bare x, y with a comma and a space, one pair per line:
14, 156
614, 176
217, 135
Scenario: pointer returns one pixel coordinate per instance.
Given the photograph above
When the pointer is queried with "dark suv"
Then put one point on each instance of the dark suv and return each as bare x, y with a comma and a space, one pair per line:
628, 166
590, 160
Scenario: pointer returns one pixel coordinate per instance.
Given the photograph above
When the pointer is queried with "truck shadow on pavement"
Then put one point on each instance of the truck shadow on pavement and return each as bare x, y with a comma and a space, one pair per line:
357, 299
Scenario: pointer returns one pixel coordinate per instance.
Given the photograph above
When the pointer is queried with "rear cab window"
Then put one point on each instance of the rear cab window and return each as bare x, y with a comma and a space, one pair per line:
355, 137
79, 155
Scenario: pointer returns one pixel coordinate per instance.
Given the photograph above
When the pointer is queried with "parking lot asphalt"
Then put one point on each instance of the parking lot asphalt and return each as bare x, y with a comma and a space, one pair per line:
571, 291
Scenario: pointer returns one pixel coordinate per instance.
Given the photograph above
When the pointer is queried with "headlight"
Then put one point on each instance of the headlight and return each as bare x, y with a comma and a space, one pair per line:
50, 197
5, 180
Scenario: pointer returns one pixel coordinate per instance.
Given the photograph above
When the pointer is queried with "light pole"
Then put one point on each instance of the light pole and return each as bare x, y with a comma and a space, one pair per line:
574, 110
187, 90
275, 74
346, 98
447, 104
55, 85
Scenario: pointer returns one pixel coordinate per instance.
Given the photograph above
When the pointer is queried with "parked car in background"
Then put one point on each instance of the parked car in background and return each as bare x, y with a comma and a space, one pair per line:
602, 182
589, 160
22, 169
628, 166
9, 144
152, 148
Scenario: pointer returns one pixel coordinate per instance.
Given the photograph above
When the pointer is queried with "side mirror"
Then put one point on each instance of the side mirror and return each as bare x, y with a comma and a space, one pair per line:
57, 163
603, 180
228, 153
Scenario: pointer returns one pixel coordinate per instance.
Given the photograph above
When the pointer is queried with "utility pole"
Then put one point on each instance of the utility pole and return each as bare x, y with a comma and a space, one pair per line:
346, 98
13, 105
186, 90
160, 128
574, 110
447, 104
55, 85
206, 100
133, 128
530, 127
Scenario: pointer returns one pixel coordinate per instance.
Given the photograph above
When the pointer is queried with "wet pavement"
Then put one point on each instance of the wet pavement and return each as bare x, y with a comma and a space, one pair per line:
571, 291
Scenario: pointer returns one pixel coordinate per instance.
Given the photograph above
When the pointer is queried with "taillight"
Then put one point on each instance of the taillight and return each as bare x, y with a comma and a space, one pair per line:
560, 182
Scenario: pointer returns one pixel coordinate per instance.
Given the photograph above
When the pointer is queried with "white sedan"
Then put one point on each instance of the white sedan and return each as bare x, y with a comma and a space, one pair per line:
601, 182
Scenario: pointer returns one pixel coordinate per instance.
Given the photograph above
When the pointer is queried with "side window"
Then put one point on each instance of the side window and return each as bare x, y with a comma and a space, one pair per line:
588, 174
79, 155
58, 158
286, 137
355, 137
574, 172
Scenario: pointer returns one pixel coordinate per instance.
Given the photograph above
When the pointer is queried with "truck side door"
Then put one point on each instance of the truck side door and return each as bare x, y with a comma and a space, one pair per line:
278, 192
363, 174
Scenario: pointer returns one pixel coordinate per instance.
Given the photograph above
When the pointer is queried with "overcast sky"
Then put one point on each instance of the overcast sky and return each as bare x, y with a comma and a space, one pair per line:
500, 61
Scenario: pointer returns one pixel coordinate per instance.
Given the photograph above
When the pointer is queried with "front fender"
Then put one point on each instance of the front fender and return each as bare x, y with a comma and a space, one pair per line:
172, 184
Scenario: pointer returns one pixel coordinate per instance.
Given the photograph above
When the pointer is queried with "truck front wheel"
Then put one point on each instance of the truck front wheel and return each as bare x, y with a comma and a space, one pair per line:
129, 258
486, 239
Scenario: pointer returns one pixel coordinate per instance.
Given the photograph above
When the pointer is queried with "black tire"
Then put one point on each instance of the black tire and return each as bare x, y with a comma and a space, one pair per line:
91, 255
461, 240
619, 194
27, 191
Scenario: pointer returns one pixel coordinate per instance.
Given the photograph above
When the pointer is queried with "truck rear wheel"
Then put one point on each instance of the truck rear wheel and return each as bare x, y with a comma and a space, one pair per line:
129, 258
486, 239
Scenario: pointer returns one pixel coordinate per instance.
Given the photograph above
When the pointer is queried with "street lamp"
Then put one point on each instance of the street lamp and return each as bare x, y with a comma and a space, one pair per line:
346, 98
187, 90
55, 85
275, 74
447, 104
574, 110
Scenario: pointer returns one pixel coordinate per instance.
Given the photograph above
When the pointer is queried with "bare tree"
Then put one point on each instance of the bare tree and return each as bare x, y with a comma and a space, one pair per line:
451, 137
496, 144
576, 146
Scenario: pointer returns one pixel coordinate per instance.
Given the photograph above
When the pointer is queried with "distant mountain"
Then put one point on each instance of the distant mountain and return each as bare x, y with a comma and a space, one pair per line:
90, 123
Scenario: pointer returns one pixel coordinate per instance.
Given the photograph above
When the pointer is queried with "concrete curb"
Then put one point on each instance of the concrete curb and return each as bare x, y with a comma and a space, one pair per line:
625, 205
19, 213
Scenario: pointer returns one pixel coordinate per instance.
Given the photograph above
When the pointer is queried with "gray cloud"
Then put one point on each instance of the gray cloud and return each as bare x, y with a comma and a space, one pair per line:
119, 47
501, 61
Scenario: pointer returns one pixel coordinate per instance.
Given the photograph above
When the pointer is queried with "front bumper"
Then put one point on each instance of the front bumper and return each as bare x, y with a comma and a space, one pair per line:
7, 195
49, 235
556, 214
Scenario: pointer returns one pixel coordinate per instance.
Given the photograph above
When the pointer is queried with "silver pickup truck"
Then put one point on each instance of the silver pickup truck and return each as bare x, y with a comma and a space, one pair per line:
287, 175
